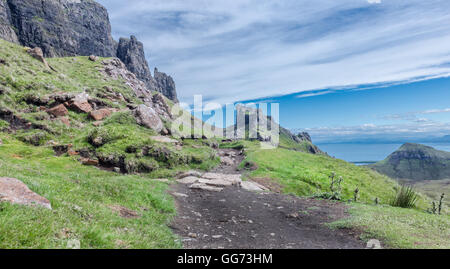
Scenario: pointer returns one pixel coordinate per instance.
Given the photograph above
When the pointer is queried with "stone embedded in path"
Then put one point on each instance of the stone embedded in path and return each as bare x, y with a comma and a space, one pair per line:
182, 195
235, 179
227, 161
14, 191
201, 186
188, 180
252, 186
190, 174
216, 182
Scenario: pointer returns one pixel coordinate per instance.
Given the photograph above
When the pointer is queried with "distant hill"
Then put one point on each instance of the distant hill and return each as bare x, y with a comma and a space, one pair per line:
416, 162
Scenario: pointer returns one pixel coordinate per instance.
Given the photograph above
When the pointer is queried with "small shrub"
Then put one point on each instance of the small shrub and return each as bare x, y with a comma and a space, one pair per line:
35, 138
121, 118
335, 189
406, 197
441, 201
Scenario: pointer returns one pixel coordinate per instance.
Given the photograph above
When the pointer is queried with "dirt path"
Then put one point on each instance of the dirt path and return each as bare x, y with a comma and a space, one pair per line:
224, 216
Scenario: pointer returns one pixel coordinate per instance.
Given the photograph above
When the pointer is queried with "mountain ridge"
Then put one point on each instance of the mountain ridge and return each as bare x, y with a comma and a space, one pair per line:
416, 162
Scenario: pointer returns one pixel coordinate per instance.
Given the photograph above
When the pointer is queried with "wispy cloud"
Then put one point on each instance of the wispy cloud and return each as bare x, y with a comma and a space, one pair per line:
417, 129
248, 49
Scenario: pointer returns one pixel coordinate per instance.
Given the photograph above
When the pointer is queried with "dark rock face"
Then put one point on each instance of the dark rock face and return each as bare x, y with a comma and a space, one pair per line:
166, 85
131, 53
303, 136
63, 28
416, 162
6, 31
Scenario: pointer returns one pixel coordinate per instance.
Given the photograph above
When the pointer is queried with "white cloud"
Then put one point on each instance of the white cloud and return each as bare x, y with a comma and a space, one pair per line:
417, 129
247, 49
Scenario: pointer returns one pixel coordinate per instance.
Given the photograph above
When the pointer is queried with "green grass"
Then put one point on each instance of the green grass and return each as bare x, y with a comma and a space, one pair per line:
399, 227
81, 198
306, 174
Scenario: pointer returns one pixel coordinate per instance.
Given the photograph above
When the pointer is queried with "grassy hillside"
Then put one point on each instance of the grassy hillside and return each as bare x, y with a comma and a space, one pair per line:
84, 201
307, 174
399, 227
26, 90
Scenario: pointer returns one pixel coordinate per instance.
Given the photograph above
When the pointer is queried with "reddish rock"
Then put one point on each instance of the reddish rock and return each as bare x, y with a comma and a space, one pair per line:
100, 114
65, 120
38, 54
97, 123
14, 191
58, 111
80, 106
72, 152
90, 162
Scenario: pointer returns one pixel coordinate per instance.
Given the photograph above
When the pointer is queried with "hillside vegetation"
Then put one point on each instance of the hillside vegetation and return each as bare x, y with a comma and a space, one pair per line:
113, 200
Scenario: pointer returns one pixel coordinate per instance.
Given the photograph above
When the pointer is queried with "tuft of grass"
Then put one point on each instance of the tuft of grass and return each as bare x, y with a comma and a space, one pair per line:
398, 227
406, 197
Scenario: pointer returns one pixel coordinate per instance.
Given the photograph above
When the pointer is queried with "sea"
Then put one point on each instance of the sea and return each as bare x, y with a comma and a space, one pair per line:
364, 154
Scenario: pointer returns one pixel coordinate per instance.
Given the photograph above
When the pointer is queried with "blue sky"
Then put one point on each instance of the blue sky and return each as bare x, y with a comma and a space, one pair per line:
338, 68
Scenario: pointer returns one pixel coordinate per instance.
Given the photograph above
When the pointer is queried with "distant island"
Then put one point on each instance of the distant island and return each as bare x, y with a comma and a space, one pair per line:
416, 162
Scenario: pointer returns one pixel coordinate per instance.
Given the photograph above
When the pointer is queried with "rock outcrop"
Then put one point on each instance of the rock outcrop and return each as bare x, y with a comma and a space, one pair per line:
146, 116
131, 53
6, 31
416, 162
76, 28
16, 192
64, 27
166, 85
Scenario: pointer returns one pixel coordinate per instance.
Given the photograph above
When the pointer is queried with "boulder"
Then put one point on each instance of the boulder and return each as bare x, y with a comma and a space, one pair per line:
58, 111
16, 192
93, 58
147, 117
89, 162
80, 103
38, 54
100, 114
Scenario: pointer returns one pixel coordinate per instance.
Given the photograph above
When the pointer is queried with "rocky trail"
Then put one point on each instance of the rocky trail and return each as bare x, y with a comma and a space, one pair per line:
218, 210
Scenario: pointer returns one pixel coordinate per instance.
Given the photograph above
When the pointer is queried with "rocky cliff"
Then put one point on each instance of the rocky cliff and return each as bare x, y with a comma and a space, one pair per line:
6, 31
416, 162
131, 52
75, 27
